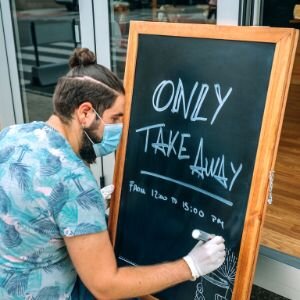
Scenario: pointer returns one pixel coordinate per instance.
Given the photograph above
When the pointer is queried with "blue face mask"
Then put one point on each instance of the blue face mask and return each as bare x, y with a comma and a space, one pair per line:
110, 139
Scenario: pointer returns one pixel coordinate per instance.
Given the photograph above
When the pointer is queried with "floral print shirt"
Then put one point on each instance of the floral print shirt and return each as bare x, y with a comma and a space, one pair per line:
46, 192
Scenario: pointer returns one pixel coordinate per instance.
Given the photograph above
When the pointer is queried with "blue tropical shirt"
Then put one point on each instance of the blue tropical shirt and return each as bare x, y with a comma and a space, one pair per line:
46, 192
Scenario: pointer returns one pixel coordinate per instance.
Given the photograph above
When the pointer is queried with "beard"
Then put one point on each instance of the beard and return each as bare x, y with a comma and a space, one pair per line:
86, 150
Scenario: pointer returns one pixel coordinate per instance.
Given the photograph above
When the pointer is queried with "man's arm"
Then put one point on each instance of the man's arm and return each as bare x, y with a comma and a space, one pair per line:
94, 260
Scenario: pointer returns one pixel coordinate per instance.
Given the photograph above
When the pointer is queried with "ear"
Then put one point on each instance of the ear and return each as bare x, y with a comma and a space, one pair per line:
84, 113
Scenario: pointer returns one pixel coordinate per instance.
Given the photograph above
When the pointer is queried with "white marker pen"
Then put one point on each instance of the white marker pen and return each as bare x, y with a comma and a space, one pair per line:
201, 235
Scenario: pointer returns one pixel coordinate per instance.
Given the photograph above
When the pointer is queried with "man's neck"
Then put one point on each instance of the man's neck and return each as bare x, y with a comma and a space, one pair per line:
71, 131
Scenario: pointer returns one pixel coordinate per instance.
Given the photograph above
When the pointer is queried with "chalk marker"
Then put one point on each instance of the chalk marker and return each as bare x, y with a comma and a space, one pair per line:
200, 235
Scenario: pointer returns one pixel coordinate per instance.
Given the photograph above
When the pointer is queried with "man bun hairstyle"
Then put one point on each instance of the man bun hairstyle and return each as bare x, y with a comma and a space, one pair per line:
82, 57
86, 81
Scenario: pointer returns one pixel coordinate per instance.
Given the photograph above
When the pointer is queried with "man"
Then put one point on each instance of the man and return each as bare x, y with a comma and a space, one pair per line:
52, 216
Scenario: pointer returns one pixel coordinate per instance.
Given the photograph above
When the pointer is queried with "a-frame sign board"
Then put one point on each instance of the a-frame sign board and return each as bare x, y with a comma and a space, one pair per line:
202, 122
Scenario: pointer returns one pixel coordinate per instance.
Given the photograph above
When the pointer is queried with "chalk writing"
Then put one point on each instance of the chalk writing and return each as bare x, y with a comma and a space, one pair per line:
203, 167
223, 278
135, 188
189, 186
228, 269
194, 210
213, 168
174, 201
171, 143
192, 107
217, 220
156, 195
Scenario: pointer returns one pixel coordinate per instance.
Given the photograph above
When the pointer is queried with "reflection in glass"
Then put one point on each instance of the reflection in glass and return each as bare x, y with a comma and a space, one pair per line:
45, 34
179, 11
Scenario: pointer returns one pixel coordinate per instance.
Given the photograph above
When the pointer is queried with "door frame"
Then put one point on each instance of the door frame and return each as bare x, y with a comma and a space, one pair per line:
12, 110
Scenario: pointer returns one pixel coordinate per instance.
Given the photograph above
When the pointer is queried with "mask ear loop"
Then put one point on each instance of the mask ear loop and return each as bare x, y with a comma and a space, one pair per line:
83, 128
87, 136
98, 116
102, 178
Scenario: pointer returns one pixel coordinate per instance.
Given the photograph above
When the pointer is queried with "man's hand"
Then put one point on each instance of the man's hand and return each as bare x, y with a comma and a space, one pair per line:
205, 258
107, 191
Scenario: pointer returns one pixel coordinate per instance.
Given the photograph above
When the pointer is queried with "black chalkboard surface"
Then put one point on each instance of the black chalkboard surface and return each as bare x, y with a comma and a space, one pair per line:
196, 115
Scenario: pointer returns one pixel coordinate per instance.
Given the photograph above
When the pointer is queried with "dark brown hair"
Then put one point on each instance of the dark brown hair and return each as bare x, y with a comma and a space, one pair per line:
86, 81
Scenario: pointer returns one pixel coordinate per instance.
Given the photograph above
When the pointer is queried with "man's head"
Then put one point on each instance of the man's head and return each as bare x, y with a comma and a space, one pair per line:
87, 90
93, 124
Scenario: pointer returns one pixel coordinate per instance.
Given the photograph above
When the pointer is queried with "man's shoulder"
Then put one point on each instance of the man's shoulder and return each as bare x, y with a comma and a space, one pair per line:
18, 131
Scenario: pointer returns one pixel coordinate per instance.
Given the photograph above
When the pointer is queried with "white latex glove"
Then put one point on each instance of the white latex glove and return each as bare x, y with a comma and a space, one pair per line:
107, 191
205, 258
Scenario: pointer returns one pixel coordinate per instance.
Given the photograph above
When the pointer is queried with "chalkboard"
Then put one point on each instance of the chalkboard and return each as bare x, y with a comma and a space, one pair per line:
203, 119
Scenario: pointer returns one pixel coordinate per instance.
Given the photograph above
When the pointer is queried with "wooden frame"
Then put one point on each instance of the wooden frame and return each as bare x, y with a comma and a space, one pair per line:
282, 218
285, 41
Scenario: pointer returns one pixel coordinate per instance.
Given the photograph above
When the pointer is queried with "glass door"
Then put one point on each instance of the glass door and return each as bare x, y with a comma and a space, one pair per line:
36, 40
45, 34
179, 11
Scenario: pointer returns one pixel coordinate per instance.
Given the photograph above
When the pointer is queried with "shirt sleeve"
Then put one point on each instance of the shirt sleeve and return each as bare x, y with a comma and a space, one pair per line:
83, 208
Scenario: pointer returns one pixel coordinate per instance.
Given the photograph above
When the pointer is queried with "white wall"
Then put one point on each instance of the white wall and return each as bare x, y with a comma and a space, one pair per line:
277, 277
228, 12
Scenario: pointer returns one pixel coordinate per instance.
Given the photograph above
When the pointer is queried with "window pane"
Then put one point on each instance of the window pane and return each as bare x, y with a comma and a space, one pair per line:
46, 33
179, 11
